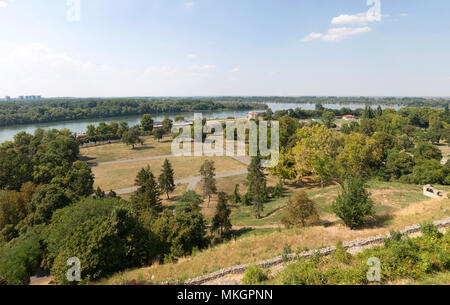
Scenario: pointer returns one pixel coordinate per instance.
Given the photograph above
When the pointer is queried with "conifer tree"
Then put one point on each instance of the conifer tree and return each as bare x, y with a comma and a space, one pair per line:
256, 180
236, 197
221, 221
166, 181
147, 196
208, 181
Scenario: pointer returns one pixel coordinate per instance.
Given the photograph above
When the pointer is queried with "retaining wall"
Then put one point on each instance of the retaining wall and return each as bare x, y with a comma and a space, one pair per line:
358, 243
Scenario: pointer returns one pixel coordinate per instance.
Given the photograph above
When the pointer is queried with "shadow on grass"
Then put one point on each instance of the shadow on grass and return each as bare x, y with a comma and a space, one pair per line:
378, 221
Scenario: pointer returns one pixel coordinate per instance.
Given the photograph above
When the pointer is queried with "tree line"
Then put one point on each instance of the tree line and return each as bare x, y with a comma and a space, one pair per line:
56, 110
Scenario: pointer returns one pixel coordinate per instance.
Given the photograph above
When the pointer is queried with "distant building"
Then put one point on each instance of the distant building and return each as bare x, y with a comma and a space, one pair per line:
7, 98
349, 118
253, 116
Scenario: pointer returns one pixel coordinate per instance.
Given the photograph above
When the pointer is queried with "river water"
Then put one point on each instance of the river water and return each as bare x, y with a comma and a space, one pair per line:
7, 133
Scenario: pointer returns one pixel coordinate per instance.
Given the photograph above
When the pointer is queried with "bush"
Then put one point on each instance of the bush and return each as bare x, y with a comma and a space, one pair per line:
254, 275
105, 245
300, 211
20, 257
353, 204
65, 221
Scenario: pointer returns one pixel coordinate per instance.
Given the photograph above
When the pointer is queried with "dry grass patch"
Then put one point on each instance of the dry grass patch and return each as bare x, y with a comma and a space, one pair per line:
119, 151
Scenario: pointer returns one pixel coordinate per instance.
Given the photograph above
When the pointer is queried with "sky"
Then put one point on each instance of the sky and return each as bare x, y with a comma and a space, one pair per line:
106, 48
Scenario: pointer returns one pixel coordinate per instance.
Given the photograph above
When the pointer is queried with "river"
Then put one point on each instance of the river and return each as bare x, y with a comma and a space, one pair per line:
7, 133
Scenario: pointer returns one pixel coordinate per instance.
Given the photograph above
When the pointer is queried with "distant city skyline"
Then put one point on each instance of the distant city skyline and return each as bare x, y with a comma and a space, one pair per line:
175, 48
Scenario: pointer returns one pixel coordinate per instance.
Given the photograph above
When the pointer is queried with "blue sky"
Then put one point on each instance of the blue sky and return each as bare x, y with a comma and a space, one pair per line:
224, 47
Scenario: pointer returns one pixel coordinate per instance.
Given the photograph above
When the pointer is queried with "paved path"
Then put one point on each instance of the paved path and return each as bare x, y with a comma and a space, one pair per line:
192, 182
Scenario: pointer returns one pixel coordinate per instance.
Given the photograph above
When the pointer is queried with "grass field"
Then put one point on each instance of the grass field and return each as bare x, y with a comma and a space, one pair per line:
119, 151
122, 175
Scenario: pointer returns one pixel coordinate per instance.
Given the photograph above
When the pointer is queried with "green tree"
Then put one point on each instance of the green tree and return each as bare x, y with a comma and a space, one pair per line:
189, 202
278, 191
300, 210
221, 220
236, 197
132, 137
166, 181
353, 204
80, 179
427, 151
105, 245
178, 235
398, 164
147, 196
147, 123
256, 180
167, 125
159, 134
328, 118
208, 181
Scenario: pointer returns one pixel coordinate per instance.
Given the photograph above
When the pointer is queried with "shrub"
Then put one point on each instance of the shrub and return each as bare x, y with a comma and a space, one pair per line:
105, 245
254, 275
20, 257
353, 204
300, 211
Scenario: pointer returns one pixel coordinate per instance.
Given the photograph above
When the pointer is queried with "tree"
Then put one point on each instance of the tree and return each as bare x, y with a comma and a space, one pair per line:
221, 220
80, 179
236, 197
328, 118
379, 111
430, 172
256, 180
398, 164
278, 190
105, 245
159, 134
427, 151
359, 155
208, 181
132, 137
314, 153
178, 235
300, 210
147, 123
353, 204
46, 201
167, 125
166, 181
189, 202
147, 196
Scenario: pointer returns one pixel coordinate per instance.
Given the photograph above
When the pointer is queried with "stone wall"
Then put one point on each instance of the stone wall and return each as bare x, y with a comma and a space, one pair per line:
351, 245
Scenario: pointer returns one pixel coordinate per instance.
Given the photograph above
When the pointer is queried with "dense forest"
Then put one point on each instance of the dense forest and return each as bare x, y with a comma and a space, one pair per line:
397, 101
46, 111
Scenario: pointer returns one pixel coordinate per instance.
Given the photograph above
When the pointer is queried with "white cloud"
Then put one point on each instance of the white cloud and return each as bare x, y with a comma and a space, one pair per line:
189, 4
404, 14
337, 34
35, 68
3, 4
191, 55
312, 36
360, 18
235, 70
203, 68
